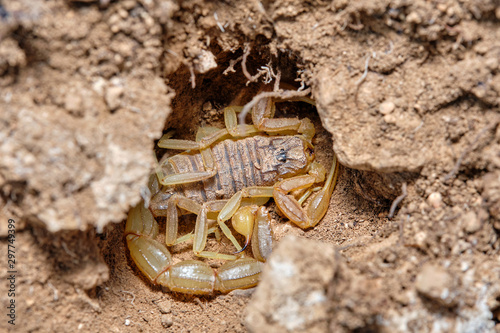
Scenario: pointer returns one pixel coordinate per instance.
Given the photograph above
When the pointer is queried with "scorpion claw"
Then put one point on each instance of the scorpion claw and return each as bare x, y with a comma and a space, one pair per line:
243, 221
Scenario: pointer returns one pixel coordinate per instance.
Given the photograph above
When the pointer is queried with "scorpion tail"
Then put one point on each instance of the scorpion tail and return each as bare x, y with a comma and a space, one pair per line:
244, 246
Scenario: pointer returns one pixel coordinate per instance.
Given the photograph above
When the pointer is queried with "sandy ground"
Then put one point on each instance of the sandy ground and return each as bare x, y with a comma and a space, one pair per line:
407, 96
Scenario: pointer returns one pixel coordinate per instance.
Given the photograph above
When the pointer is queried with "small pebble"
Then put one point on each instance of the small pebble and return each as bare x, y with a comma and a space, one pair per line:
390, 119
207, 106
435, 199
492, 63
496, 225
127, 322
386, 107
164, 306
471, 222
167, 320
205, 62
390, 258
413, 17
123, 13
113, 97
442, 7
420, 239
436, 283
464, 266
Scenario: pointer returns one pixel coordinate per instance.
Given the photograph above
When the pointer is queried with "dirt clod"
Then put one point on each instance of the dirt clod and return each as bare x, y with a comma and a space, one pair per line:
167, 320
471, 221
164, 306
287, 300
437, 284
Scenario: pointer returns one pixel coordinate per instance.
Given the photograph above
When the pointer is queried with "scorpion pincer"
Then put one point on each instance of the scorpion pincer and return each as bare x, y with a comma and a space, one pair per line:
227, 174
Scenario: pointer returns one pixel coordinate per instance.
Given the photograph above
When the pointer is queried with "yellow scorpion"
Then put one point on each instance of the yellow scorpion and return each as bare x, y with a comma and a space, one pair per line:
229, 174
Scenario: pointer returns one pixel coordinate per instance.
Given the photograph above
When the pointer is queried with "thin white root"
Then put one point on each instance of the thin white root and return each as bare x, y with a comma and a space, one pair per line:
287, 94
249, 77
193, 77
232, 63
56, 292
362, 78
277, 81
221, 27
267, 70
365, 73
397, 201
131, 294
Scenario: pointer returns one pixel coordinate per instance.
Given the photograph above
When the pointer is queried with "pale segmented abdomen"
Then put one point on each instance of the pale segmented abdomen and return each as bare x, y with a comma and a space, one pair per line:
253, 161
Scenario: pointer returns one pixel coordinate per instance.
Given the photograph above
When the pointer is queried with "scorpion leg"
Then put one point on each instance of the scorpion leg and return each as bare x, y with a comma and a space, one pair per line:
310, 215
166, 142
288, 204
169, 209
201, 231
244, 220
208, 137
262, 118
189, 237
205, 137
191, 276
190, 177
159, 208
205, 131
185, 178
231, 122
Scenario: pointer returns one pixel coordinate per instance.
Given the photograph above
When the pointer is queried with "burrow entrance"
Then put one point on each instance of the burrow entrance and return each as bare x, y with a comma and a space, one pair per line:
356, 209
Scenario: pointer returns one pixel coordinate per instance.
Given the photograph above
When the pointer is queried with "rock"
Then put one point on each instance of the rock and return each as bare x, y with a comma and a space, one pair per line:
435, 199
421, 239
164, 306
471, 222
205, 62
113, 97
492, 63
386, 107
435, 283
292, 293
413, 17
390, 119
167, 320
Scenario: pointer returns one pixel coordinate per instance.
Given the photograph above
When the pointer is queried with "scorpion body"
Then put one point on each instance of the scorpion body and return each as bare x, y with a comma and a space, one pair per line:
229, 174
253, 161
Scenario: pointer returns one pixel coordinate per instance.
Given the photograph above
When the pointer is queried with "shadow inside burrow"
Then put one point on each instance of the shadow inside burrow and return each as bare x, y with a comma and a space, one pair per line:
72, 256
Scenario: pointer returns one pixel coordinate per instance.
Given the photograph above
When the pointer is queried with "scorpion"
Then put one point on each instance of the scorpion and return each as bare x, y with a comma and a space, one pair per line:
225, 174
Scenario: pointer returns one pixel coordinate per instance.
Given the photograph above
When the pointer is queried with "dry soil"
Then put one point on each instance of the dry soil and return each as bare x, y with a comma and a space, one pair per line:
407, 96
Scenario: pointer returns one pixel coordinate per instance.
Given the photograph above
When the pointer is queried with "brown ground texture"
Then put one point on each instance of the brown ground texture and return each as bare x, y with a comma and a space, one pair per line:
407, 95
